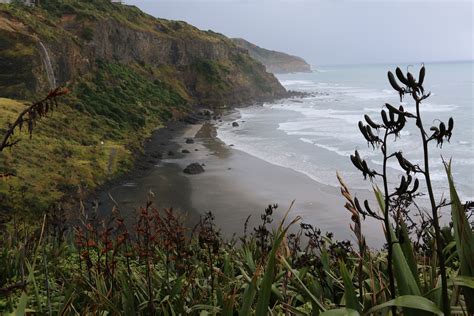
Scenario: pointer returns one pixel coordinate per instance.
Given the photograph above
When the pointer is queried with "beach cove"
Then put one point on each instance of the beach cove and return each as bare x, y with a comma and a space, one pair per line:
234, 185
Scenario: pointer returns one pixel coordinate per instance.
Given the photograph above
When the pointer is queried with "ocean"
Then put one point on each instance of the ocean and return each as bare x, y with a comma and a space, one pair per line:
315, 135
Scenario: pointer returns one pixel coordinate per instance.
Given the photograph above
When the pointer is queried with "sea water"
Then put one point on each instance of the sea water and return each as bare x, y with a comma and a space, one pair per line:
315, 135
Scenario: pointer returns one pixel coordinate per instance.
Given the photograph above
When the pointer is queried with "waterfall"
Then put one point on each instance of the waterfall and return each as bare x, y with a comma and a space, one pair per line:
48, 66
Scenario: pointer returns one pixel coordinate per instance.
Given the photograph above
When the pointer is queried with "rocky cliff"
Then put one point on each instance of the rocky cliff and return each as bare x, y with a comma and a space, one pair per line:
275, 62
71, 37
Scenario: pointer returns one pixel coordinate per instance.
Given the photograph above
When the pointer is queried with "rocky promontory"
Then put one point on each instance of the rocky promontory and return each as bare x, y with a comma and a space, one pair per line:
275, 62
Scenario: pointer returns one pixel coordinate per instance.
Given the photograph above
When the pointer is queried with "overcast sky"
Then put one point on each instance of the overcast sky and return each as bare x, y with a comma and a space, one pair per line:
336, 31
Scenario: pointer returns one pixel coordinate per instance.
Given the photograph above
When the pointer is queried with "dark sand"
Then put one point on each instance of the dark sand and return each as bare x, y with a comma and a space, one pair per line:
234, 186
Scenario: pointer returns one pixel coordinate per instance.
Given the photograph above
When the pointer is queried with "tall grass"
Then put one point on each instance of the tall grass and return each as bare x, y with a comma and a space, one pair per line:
160, 267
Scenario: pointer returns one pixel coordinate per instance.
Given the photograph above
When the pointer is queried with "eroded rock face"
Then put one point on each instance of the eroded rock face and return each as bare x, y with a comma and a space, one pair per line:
206, 66
194, 168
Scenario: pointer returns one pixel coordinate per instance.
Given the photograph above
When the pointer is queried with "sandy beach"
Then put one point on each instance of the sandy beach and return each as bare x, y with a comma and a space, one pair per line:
233, 186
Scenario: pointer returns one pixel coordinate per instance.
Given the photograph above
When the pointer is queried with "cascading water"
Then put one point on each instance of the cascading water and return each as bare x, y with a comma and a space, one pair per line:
48, 66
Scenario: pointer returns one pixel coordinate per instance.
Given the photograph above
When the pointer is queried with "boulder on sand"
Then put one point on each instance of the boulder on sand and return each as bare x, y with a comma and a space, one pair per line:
194, 168
189, 141
235, 124
185, 151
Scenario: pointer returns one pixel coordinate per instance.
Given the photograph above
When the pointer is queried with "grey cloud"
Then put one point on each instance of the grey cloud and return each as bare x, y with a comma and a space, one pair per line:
336, 31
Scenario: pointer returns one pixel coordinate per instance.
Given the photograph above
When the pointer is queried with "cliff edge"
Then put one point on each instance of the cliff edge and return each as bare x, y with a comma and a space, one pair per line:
60, 44
275, 62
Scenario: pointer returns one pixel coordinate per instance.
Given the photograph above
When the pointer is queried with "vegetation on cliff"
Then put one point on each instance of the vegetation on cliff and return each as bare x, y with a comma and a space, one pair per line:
275, 62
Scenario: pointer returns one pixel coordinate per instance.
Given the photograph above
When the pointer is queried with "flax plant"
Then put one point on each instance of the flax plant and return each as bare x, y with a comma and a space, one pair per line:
400, 199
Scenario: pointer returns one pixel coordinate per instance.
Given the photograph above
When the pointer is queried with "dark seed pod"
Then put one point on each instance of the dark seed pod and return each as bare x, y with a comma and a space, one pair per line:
415, 186
405, 164
406, 184
391, 108
449, 132
370, 122
365, 166
370, 134
363, 130
421, 76
367, 171
393, 82
411, 81
385, 119
450, 124
367, 207
357, 155
400, 76
391, 114
357, 205
442, 129
402, 188
356, 162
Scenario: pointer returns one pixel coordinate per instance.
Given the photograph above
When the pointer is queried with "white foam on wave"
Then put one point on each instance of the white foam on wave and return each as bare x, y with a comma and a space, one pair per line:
274, 154
338, 89
425, 107
311, 112
296, 82
336, 150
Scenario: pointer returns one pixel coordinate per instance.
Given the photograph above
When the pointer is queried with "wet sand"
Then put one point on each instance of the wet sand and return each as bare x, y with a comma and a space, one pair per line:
233, 186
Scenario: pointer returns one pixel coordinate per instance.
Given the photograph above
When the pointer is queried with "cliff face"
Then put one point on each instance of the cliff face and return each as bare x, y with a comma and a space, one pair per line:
129, 73
275, 62
204, 67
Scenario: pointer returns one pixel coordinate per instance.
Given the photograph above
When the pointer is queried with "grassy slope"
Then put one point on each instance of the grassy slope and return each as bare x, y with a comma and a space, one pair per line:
89, 139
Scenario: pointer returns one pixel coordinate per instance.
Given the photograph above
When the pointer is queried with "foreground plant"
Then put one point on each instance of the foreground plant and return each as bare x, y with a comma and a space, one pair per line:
396, 204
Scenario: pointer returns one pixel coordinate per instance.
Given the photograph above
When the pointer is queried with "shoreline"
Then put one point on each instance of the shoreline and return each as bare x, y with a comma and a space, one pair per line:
159, 143
233, 186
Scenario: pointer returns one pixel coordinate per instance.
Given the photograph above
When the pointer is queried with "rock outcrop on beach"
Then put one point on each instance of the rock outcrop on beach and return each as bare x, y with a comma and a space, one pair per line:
275, 62
194, 168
